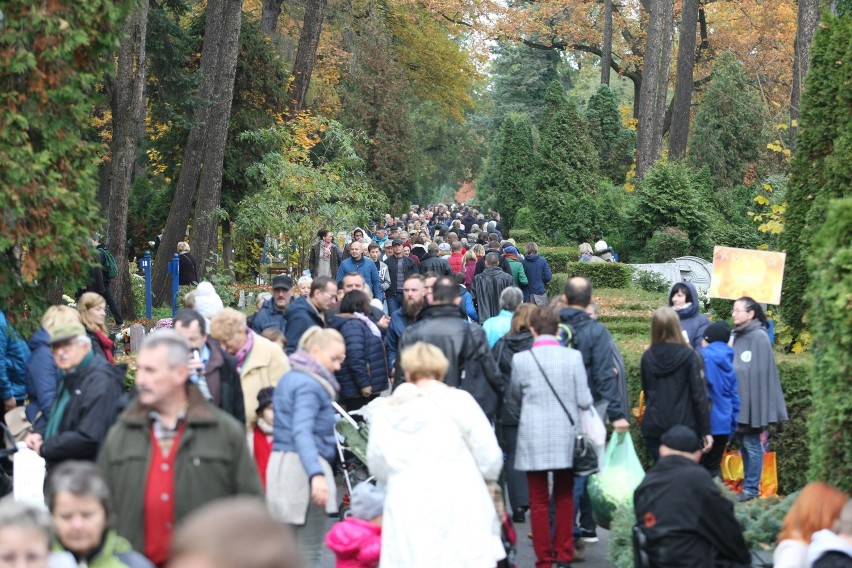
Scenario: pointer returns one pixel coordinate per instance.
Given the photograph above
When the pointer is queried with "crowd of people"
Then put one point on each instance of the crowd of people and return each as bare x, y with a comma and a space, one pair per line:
441, 333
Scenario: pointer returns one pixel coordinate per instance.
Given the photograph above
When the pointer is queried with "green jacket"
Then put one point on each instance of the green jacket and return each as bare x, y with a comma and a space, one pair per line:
212, 462
116, 552
519, 275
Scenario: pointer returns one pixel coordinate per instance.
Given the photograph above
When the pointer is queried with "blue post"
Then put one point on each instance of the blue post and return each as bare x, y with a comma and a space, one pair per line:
145, 265
174, 270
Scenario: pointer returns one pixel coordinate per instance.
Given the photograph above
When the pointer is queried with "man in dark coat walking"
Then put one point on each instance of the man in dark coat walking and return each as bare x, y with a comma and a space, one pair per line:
487, 287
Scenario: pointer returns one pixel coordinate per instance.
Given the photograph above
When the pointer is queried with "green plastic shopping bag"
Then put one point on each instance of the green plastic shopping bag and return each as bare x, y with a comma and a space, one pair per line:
613, 487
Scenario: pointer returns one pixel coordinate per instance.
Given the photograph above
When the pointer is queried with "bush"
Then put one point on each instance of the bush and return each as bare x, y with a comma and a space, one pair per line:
666, 244
523, 219
558, 257
521, 236
651, 281
602, 274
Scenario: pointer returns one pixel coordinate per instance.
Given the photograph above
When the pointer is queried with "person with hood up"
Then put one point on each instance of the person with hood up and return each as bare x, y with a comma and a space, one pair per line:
724, 396
357, 541
761, 398
603, 253
683, 298
431, 446
675, 393
519, 275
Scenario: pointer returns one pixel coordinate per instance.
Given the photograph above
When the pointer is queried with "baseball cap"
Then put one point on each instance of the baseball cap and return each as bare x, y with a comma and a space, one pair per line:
396, 242
66, 331
681, 438
282, 281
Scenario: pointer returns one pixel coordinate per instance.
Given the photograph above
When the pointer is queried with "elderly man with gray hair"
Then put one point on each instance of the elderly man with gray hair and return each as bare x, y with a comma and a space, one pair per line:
171, 451
499, 325
86, 399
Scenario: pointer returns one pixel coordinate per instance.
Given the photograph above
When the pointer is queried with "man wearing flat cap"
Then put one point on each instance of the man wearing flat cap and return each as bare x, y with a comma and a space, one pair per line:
682, 519
86, 401
273, 311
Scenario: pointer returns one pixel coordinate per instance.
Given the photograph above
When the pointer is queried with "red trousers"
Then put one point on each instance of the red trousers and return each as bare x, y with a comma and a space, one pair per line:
560, 546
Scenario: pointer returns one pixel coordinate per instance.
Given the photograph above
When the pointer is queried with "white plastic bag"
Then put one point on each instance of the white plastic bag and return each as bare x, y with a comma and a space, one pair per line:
593, 426
28, 476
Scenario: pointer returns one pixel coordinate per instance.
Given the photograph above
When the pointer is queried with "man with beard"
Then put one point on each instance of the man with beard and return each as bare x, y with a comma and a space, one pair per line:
413, 295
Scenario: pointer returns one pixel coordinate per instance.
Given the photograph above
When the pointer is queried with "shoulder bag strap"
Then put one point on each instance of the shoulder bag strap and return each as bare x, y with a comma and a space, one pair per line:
559, 400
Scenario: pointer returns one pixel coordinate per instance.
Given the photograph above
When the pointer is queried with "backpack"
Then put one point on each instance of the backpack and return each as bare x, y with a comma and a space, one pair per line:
566, 335
110, 266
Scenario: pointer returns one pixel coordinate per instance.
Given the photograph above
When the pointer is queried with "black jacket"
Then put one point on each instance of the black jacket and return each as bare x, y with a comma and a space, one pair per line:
685, 521
95, 392
486, 289
504, 350
504, 264
436, 264
472, 366
594, 342
408, 267
188, 274
675, 390
224, 381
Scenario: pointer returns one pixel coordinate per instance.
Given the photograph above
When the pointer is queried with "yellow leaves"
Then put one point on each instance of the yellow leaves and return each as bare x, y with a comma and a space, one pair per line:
627, 119
773, 227
802, 343
760, 200
775, 146
794, 123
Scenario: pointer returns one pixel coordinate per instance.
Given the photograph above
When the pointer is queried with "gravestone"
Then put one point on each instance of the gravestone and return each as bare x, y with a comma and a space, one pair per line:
137, 334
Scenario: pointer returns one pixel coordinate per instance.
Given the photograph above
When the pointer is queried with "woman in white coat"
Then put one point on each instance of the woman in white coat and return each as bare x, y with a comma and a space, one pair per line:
434, 448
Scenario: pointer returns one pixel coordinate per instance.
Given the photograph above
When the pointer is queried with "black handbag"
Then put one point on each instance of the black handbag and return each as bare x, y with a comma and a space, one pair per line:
585, 456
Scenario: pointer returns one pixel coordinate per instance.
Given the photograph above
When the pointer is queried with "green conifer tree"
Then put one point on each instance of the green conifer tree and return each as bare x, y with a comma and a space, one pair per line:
821, 169
514, 166
729, 124
615, 143
566, 175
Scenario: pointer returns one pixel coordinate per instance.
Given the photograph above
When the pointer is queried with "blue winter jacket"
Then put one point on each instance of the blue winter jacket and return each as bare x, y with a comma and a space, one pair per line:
42, 377
304, 420
269, 316
538, 274
366, 268
467, 304
365, 364
722, 386
691, 320
14, 356
300, 317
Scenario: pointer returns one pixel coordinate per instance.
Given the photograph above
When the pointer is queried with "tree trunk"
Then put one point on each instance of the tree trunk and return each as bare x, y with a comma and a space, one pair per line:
270, 11
306, 55
205, 225
606, 58
208, 93
127, 102
683, 82
227, 249
655, 75
807, 20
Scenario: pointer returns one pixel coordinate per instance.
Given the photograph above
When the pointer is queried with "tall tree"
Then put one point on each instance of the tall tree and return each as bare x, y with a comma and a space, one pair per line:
655, 82
519, 79
52, 57
270, 10
211, 90
126, 91
606, 48
614, 143
806, 25
306, 55
679, 132
515, 166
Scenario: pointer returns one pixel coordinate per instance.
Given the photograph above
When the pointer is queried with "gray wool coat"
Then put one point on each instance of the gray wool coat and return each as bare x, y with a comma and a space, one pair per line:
761, 398
545, 435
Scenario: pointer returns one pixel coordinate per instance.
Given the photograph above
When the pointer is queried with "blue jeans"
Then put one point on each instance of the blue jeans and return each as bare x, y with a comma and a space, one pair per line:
394, 302
752, 452
582, 506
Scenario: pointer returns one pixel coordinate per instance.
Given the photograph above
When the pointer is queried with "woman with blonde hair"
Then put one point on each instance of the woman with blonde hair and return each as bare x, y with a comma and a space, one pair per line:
469, 261
432, 445
674, 385
92, 308
42, 374
816, 508
299, 480
188, 273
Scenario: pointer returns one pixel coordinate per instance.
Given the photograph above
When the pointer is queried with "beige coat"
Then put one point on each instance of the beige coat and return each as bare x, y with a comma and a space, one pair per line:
264, 366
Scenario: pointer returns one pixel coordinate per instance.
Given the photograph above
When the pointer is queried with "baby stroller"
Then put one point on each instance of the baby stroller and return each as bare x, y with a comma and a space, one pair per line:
351, 436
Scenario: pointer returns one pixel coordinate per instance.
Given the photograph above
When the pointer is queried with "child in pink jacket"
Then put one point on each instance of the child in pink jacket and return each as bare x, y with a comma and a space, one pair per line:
357, 541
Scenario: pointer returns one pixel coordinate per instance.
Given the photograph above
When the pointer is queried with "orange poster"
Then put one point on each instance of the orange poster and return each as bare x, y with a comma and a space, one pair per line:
744, 272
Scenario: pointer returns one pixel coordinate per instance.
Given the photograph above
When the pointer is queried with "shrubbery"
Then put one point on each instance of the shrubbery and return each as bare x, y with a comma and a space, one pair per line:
666, 244
602, 274
651, 281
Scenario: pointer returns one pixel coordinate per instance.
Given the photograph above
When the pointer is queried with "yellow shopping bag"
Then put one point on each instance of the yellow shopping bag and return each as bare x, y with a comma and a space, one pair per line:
733, 473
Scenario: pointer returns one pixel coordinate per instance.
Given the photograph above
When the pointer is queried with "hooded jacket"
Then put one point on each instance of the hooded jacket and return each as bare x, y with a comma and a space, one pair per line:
42, 378
14, 355
675, 392
356, 543
301, 316
692, 321
595, 343
722, 384
761, 398
538, 274
504, 350
486, 289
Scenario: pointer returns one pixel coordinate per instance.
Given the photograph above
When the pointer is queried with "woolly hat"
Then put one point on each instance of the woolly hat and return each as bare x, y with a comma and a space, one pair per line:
510, 250
681, 438
718, 331
207, 301
367, 501
444, 246
601, 246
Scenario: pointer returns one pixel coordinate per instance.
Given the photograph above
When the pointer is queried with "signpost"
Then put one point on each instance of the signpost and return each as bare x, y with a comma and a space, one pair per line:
145, 265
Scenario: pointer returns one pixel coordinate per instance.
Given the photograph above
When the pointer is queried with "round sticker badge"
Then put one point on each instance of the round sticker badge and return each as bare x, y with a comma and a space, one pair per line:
746, 356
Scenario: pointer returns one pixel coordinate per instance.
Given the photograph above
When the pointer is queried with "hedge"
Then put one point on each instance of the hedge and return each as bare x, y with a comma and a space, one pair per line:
557, 257
603, 274
788, 439
522, 237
